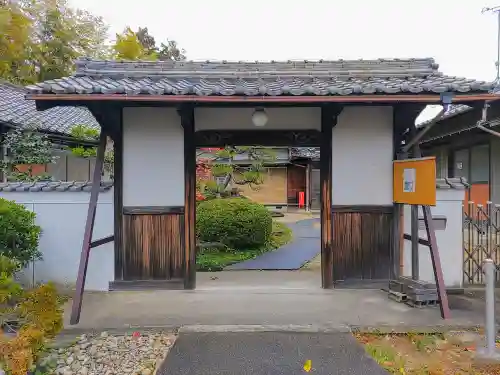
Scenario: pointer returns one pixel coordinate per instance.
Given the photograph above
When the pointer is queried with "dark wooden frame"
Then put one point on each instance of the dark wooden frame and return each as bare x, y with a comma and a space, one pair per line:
89, 228
329, 117
188, 123
221, 138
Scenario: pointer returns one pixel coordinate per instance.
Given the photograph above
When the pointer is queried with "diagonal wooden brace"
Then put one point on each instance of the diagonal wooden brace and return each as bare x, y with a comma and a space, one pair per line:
436, 263
89, 228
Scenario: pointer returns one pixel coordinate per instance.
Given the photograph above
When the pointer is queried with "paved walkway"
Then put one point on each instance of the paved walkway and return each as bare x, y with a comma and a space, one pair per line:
267, 354
257, 298
304, 247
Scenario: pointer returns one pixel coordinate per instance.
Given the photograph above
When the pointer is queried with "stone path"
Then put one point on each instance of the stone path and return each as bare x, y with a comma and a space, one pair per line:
304, 247
267, 353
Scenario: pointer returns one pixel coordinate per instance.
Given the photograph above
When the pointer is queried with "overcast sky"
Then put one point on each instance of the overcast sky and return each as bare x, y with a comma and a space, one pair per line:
461, 39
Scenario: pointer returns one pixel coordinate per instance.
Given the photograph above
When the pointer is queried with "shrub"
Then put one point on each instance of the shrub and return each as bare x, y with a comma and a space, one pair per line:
29, 318
18, 232
235, 222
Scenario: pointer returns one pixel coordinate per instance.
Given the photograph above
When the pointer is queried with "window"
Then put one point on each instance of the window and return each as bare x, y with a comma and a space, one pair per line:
480, 164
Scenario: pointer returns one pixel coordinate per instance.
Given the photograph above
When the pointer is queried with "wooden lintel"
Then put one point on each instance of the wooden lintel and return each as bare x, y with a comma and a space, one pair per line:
329, 117
187, 121
221, 138
152, 210
89, 228
374, 98
102, 241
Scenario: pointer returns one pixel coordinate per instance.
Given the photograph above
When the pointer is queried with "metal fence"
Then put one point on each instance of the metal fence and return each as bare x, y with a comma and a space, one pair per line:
481, 240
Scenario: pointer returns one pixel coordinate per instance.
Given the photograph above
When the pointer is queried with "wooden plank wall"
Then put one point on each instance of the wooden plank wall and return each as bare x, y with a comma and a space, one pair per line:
362, 242
153, 246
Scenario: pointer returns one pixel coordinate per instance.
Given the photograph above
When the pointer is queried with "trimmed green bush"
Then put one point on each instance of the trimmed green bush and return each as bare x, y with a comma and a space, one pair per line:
18, 232
238, 223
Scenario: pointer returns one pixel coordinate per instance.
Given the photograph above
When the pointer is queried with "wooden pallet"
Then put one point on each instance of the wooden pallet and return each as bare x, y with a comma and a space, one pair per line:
397, 296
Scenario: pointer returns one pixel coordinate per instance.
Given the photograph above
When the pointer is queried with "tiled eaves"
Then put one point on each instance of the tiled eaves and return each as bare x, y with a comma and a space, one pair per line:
459, 183
53, 186
291, 78
16, 111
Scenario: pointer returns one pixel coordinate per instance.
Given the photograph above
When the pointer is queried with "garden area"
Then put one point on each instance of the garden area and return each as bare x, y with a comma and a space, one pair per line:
427, 353
231, 228
30, 315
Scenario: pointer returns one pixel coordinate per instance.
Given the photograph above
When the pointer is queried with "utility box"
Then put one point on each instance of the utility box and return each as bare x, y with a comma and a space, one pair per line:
447, 216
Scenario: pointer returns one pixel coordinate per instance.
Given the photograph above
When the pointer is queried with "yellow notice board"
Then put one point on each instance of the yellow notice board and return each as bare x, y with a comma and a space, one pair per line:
415, 181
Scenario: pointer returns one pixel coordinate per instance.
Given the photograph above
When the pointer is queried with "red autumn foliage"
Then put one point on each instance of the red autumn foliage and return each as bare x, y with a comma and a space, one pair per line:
203, 170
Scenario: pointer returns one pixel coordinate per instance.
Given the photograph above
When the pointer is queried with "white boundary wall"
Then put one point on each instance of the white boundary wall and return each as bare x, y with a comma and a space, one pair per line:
62, 217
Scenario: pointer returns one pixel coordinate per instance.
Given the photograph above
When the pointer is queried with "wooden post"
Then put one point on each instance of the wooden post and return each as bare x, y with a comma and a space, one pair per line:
308, 186
415, 262
118, 196
89, 227
329, 116
187, 121
436, 262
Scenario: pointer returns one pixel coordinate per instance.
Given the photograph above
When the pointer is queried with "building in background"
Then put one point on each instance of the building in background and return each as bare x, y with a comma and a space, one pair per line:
464, 150
17, 112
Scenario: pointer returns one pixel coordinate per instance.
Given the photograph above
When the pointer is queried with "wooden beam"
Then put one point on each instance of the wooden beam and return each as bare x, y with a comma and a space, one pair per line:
102, 241
329, 116
221, 138
117, 137
187, 121
421, 241
436, 263
316, 99
89, 228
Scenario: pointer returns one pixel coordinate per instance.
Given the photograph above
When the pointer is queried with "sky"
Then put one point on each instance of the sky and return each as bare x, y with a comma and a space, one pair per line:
462, 40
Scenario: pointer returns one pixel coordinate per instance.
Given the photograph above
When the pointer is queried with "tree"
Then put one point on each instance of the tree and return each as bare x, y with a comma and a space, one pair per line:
15, 30
40, 39
61, 35
221, 164
129, 47
169, 51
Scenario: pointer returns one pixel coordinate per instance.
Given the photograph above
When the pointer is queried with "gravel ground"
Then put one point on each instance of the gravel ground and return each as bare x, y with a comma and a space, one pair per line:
106, 354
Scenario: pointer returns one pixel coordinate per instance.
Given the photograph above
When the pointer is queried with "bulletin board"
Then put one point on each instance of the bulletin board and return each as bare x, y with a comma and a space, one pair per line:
414, 181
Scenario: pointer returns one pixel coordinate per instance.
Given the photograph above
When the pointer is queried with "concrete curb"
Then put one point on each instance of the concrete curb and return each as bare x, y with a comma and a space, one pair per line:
72, 333
264, 328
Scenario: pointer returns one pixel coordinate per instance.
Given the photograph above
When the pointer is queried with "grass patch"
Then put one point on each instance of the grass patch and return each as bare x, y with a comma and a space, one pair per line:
423, 354
217, 259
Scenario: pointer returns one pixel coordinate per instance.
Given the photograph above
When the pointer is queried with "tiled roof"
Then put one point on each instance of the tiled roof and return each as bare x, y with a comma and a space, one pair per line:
46, 186
222, 78
305, 152
15, 110
459, 183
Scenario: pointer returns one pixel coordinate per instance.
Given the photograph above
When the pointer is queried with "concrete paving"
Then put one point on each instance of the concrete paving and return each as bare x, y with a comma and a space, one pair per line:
258, 299
267, 354
304, 246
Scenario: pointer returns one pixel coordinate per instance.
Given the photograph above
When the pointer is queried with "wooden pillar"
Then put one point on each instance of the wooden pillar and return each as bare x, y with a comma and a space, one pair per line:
415, 262
308, 186
328, 121
118, 195
187, 121
89, 228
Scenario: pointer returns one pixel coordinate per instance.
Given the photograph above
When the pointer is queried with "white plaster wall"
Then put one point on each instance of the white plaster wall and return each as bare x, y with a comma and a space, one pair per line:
62, 216
153, 157
362, 154
241, 118
449, 204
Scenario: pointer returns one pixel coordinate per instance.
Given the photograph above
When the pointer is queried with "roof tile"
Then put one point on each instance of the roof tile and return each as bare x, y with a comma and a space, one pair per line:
52, 186
342, 77
15, 110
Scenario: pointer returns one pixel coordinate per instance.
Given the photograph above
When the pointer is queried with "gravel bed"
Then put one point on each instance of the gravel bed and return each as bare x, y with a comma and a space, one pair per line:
107, 354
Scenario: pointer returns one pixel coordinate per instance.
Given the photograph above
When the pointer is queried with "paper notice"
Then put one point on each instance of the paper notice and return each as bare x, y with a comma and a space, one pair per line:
409, 176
